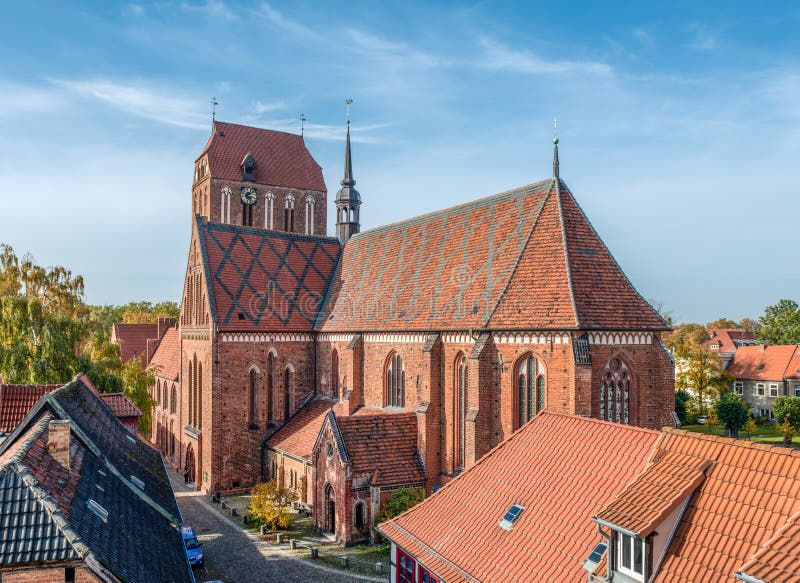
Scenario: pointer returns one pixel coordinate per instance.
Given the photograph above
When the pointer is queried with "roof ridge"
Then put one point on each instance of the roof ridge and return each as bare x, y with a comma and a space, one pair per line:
567, 260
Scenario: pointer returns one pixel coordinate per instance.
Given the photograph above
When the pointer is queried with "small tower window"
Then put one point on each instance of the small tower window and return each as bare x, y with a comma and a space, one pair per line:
269, 211
249, 168
288, 214
225, 208
310, 215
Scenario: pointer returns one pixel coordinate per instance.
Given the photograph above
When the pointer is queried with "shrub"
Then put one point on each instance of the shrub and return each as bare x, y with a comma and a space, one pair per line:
732, 412
270, 503
401, 500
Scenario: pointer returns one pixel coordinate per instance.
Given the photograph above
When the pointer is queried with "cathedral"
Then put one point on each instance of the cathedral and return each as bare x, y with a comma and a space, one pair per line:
349, 367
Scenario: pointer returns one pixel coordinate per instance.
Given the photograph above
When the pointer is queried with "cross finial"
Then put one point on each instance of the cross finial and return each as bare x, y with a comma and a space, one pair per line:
214, 104
302, 124
555, 148
348, 102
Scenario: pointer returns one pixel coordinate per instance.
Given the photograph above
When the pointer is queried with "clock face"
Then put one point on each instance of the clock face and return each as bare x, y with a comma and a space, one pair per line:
248, 195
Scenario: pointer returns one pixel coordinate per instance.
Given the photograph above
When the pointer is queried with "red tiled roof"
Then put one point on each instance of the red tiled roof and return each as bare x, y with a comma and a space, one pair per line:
526, 258
17, 400
282, 159
778, 559
300, 433
383, 445
763, 363
262, 279
132, 339
793, 370
166, 361
121, 405
724, 337
562, 469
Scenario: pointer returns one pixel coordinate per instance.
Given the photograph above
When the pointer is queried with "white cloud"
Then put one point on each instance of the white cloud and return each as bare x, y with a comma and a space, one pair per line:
260, 108
499, 57
279, 21
215, 9
701, 38
142, 101
399, 53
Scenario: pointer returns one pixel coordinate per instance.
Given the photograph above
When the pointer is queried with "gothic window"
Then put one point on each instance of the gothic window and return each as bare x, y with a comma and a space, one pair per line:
225, 210
310, 215
199, 397
288, 378
460, 406
395, 381
191, 392
288, 214
269, 211
530, 388
172, 438
334, 373
359, 516
173, 400
270, 387
253, 395
616, 386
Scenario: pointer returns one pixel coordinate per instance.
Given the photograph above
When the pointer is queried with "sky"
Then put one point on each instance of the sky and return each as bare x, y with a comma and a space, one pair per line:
679, 126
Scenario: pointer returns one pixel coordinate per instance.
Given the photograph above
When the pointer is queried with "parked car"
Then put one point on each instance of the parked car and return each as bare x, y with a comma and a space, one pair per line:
194, 551
702, 420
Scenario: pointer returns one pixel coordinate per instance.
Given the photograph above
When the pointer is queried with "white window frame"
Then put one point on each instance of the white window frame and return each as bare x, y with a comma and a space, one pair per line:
738, 388
759, 390
797, 390
714, 346
622, 538
773, 387
310, 205
225, 210
269, 211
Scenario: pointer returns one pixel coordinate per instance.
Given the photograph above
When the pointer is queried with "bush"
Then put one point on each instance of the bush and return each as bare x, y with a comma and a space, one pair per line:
401, 500
682, 399
732, 412
270, 503
787, 413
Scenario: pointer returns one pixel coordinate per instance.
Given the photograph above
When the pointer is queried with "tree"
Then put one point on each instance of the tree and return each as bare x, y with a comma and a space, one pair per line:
780, 323
722, 324
665, 314
700, 373
270, 503
749, 324
750, 426
682, 399
686, 338
400, 501
787, 412
732, 412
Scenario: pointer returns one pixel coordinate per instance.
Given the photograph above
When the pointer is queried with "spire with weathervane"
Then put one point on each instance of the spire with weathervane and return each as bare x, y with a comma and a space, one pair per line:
555, 149
348, 200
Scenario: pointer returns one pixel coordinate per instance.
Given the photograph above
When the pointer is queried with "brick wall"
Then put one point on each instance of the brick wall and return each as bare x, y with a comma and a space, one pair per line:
46, 575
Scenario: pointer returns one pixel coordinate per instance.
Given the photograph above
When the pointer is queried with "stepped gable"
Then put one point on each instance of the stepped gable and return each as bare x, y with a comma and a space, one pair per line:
166, 361
267, 280
282, 159
523, 259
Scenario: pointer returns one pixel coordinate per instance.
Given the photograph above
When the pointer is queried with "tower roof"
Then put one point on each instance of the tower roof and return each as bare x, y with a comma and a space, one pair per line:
347, 193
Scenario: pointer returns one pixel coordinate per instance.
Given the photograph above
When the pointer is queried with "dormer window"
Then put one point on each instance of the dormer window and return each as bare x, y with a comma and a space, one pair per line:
249, 168
631, 556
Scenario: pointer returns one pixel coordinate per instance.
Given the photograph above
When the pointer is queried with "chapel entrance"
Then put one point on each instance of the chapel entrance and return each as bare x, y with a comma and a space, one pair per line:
330, 509
189, 467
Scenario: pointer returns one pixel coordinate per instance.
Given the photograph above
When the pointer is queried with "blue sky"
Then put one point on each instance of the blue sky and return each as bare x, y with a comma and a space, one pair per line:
679, 126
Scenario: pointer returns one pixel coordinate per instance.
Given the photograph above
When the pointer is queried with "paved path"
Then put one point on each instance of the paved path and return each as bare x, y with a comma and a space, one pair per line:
235, 556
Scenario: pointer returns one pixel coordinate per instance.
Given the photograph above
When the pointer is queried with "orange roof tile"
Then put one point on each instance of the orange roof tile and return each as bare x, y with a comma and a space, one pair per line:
166, 361
562, 469
298, 435
121, 405
778, 559
132, 339
763, 363
282, 159
726, 339
17, 400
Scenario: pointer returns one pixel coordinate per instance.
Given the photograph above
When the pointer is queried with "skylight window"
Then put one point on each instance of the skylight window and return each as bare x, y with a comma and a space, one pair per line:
511, 517
98, 510
595, 556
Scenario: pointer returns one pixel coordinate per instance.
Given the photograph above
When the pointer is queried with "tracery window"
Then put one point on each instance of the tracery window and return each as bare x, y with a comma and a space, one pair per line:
269, 211
288, 214
225, 209
531, 385
173, 401
253, 395
617, 384
395, 381
288, 378
460, 408
334, 373
310, 215
270, 387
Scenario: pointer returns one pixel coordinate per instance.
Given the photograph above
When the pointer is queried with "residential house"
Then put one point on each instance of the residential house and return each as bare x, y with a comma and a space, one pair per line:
726, 341
763, 373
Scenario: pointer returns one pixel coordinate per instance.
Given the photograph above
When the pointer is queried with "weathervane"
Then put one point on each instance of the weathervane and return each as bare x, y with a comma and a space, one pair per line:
555, 148
348, 102
302, 124
555, 131
214, 104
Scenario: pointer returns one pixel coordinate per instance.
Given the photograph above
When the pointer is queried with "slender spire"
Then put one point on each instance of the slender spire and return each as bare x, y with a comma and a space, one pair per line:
555, 148
348, 200
214, 104
348, 164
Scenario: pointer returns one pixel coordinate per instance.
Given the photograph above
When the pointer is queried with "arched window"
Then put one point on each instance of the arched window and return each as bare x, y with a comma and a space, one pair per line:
460, 409
618, 390
158, 393
253, 395
310, 215
172, 438
199, 397
288, 214
173, 400
359, 516
530, 385
395, 381
191, 392
269, 211
288, 378
334, 373
225, 208
270, 387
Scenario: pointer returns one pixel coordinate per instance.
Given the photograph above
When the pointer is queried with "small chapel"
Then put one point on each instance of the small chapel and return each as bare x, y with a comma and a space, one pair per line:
349, 367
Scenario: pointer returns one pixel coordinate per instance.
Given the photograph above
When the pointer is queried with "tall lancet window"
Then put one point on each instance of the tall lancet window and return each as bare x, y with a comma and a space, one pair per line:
530, 385
395, 381
288, 214
269, 211
310, 215
618, 390
253, 396
460, 409
225, 206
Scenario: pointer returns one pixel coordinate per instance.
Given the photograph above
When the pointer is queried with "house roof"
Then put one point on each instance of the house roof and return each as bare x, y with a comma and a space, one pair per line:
16, 401
382, 445
764, 363
261, 279
282, 159
728, 339
562, 469
298, 435
121, 405
132, 339
527, 258
777, 560
166, 361
46, 507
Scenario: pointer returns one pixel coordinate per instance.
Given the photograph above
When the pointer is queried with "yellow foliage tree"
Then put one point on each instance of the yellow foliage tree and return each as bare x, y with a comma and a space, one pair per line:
270, 503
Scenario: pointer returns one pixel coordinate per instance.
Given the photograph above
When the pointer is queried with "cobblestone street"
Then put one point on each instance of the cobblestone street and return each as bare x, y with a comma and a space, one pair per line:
234, 556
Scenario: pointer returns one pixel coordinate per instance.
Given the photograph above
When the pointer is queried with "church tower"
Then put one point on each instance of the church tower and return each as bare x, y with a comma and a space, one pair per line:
348, 200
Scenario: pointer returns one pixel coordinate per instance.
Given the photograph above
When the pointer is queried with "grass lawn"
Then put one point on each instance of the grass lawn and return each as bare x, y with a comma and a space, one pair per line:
763, 433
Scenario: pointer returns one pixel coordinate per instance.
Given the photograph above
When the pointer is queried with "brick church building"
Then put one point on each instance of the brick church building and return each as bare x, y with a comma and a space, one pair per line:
354, 365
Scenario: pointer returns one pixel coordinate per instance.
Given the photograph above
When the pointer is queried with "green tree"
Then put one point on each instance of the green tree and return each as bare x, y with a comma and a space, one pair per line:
732, 412
400, 501
750, 426
722, 324
787, 412
682, 399
686, 338
780, 324
270, 504
700, 373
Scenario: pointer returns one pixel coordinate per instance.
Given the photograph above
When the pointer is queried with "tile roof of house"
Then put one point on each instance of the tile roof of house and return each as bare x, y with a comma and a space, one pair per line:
382, 445
778, 560
793, 370
298, 435
764, 363
262, 279
17, 400
527, 258
132, 339
45, 507
282, 159
562, 469
166, 361
728, 339
121, 405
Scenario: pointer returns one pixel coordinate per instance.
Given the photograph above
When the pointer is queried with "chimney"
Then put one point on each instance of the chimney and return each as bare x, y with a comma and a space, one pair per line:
58, 441
163, 325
